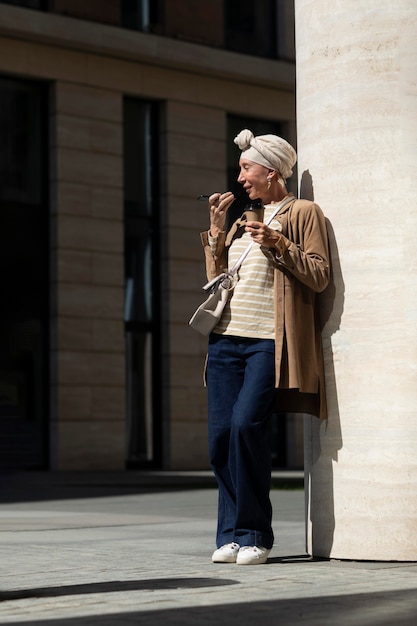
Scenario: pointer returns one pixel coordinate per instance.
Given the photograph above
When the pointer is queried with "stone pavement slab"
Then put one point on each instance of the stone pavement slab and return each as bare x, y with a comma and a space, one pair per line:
83, 552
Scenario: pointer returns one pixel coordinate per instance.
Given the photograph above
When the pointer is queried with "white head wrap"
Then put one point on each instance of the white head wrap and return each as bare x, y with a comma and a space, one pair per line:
270, 151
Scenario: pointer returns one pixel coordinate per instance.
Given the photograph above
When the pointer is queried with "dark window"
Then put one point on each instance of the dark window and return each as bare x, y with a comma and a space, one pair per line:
262, 28
142, 281
24, 270
139, 14
250, 27
107, 12
21, 167
285, 30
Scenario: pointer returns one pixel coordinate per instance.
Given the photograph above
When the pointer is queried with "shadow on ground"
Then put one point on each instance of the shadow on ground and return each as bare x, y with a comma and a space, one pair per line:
367, 609
60, 485
44, 486
153, 584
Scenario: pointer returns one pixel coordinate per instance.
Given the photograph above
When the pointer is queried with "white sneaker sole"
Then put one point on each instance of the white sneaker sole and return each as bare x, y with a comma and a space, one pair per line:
224, 559
245, 558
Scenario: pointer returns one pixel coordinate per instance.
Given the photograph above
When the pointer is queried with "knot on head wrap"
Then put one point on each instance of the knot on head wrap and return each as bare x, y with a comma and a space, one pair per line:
270, 151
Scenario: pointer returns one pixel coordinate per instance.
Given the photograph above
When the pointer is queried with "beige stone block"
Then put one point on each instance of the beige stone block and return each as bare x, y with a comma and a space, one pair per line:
185, 275
89, 168
90, 301
186, 370
74, 403
198, 346
90, 234
184, 341
77, 266
86, 101
156, 80
188, 404
74, 334
91, 368
41, 61
190, 182
84, 199
70, 198
101, 403
108, 335
14, 56
259, 103
192, 151
119, 75
87, 134
181, 308
109, 403
200, 121
185, 244
108, 269
107, 203
90, 335
56, 63
189, 446
91, 445
74, 266
106, 137
187, 213
240, 97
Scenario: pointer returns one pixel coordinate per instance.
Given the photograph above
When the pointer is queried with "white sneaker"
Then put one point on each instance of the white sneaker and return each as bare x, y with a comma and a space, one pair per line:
252, 555
226, 554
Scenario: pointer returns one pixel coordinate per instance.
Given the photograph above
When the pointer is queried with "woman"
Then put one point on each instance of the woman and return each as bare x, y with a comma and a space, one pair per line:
267, 346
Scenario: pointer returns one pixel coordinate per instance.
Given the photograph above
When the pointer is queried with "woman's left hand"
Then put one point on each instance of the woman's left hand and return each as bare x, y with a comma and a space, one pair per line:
262, 234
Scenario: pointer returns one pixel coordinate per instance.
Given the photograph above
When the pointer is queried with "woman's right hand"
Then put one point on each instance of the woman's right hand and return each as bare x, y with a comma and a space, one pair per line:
218, 205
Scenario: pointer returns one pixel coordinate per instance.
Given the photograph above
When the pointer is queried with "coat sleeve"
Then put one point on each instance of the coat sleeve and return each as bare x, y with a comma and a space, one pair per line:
304, 251
216, 263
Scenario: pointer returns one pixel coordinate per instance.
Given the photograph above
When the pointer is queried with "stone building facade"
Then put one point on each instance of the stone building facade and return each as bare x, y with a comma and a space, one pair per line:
114, 117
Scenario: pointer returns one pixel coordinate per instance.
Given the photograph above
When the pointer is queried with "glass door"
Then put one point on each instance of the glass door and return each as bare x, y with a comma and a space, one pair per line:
142, 283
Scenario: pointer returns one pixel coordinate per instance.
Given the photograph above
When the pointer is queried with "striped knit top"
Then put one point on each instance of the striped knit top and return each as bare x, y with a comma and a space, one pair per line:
250, 310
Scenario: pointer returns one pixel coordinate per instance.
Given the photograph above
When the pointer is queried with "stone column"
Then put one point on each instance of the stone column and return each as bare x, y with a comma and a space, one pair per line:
357, 123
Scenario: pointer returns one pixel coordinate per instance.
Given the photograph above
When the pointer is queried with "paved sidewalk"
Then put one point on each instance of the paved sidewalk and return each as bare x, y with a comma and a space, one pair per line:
131, 548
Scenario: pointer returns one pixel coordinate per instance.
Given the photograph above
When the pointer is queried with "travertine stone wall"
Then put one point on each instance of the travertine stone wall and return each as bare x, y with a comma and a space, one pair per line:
357, 140
88, 408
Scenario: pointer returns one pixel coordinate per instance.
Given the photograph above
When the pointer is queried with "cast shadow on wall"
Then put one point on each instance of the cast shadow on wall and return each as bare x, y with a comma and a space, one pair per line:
323, 440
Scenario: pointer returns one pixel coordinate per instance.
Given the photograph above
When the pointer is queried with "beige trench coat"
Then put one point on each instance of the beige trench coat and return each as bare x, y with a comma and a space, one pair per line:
302, 270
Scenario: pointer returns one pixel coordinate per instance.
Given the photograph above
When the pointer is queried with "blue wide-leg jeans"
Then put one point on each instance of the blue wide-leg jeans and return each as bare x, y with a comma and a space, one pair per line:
241, 395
